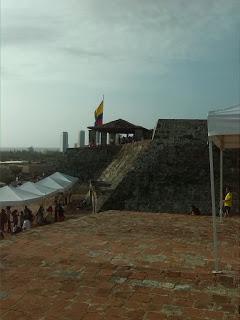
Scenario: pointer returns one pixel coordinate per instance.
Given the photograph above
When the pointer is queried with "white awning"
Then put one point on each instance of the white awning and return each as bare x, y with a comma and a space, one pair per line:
63, 176
224, 131
40, 190
11, 196
50, 183
30, 192
224, 127
64, 180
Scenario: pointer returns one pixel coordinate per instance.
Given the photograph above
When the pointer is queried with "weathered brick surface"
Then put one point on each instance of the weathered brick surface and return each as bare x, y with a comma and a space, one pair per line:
94, 267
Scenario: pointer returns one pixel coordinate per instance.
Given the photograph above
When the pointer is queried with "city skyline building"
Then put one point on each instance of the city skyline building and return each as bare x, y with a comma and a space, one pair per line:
64, 141
81, 138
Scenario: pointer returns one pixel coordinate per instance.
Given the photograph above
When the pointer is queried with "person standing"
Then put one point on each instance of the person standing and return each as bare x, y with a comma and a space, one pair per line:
9, 217
28, 214
56, 212
39, 215
49, 215
21, 216
19, 222
27, 218
2, 222
227, 202
93, 197
61, 213
65, 198
14, 221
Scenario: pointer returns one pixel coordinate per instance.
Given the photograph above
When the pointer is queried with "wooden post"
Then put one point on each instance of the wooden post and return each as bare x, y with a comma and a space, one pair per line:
93, 197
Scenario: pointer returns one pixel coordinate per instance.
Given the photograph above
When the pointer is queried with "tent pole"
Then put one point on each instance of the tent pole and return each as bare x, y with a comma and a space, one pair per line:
215, 242
221, 185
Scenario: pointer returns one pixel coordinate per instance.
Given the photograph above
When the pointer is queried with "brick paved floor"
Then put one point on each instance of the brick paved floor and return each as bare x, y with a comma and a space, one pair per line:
121, 265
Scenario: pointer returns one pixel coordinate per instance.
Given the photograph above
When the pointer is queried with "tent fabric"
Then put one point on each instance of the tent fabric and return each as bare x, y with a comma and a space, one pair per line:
63, 176
30, 192
64, 180
50, 183
64, 184
11, 196
224, 127
37, 189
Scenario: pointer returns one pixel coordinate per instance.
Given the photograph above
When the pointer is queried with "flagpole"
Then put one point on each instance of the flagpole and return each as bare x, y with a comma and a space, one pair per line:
102, 116
103, 100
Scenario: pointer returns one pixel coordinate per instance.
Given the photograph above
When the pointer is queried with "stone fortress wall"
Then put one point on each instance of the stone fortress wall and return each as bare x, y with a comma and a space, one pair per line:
169, 175
88, 163
174, 172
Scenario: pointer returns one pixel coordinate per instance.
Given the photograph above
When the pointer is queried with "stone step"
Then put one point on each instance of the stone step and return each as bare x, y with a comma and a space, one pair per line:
119, 168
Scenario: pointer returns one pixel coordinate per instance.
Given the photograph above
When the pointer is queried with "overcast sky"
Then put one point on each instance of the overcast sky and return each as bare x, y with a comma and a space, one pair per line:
150, 58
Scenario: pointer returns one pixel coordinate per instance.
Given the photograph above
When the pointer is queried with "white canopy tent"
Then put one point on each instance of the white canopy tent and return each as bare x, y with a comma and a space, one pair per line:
58, 181
31, 192
40, 190
224, 132
63, 176
64, 184
50, 183
64, 180
11, 196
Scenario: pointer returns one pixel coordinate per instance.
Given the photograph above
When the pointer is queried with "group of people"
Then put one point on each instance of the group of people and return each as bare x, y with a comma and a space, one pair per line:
14, 221
127, 139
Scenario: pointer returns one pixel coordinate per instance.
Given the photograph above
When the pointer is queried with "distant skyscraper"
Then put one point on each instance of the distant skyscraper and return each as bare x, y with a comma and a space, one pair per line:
64, 141
81, 138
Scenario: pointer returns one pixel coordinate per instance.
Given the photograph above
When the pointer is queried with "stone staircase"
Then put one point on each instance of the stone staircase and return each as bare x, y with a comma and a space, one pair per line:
119, 168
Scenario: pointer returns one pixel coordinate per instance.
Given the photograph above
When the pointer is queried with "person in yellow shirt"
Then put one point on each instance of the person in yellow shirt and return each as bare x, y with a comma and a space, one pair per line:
227, 202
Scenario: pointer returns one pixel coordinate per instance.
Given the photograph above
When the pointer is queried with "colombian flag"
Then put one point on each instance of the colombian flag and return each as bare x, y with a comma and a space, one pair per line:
99, 115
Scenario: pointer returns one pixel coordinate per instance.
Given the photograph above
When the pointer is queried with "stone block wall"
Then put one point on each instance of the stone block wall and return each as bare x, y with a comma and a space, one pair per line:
180, 131
169, 175
88, 163
173, 172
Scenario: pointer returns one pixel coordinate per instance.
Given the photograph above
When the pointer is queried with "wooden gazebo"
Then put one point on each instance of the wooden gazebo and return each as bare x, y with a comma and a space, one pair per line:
98, 135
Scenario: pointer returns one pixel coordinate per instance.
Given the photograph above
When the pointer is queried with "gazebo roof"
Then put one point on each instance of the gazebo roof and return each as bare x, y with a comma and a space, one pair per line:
118, 126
